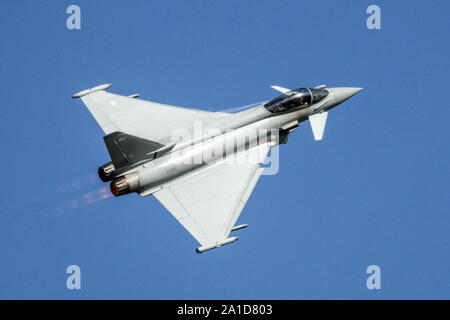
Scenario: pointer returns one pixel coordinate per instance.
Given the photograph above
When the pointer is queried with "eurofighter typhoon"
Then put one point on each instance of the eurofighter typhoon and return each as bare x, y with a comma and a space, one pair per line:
202, 166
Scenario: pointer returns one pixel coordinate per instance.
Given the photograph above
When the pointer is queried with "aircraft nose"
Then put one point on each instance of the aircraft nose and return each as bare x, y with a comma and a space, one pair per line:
343, 93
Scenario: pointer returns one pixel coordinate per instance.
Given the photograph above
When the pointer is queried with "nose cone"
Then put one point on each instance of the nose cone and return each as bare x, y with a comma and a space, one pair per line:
343, 93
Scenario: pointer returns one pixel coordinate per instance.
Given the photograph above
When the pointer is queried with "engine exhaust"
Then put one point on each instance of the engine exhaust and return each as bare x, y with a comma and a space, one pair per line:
126, 184
105, 172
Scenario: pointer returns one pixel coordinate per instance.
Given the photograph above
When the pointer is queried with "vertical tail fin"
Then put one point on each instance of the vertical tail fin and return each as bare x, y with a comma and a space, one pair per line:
125, 149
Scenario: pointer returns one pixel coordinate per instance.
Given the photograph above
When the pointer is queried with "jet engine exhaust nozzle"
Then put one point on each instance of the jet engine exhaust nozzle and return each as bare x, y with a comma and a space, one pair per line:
124, 185
105, 172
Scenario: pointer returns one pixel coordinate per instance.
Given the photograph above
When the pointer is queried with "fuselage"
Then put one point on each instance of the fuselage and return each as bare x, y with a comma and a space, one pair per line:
206, 144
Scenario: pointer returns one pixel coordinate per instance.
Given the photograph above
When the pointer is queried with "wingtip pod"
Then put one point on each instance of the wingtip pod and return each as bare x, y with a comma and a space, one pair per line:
239, 227
90, 90
216, 245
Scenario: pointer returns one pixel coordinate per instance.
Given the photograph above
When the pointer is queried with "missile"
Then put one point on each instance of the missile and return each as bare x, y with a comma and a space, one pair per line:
216, 245
241, 226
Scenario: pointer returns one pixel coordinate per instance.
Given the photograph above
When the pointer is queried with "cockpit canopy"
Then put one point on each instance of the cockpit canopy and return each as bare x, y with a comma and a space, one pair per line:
298, 98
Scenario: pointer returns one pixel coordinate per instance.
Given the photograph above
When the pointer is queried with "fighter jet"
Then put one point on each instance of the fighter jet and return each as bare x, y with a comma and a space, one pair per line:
205, 176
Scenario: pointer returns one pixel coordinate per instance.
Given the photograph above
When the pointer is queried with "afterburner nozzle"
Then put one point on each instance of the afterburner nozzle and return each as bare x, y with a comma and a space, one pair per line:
105, 172
126, 184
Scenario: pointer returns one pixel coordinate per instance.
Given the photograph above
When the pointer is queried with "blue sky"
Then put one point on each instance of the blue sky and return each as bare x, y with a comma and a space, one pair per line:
374, 191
